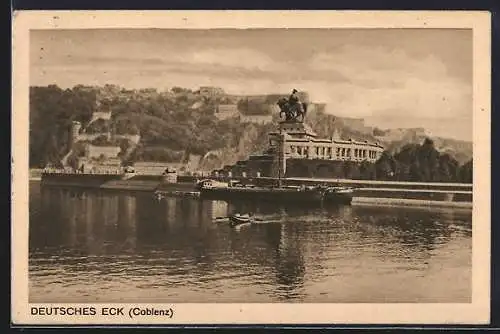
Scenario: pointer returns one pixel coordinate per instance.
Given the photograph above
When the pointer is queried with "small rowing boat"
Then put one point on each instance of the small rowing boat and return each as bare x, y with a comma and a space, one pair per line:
238, 219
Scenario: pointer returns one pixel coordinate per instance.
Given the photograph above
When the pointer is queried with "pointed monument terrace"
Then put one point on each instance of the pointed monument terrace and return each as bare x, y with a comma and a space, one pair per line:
296, 151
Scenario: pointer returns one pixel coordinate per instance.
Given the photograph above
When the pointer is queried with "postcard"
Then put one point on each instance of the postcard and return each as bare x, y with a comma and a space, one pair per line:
251, 167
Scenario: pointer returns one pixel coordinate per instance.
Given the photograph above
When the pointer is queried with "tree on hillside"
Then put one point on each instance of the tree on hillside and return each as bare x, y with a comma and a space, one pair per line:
378, 132
387, 167
180, 90
124, 146
98, 126
156, 153
101, 141
466, 172
425, 164
52, 111
367, 171
125, 126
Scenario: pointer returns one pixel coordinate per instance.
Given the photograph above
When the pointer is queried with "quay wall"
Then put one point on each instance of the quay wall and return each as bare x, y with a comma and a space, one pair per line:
415, 194
96, 179
78, 180
371, 184
114, 182
139, 177
130, 185
372, 201
361, 184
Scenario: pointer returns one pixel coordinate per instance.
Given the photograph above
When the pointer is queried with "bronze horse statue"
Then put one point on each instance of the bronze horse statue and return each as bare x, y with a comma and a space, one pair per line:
292, 111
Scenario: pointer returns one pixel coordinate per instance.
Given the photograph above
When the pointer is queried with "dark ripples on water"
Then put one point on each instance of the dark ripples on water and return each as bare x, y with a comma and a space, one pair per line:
112, 247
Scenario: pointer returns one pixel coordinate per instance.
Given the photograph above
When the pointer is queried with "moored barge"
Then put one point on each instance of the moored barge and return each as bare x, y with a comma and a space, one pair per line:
210, 189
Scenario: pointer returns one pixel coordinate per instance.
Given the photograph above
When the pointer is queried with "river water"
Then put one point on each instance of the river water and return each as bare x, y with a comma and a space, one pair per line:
122, 247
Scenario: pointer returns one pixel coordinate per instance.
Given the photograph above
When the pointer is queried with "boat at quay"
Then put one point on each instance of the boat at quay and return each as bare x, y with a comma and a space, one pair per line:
210, 189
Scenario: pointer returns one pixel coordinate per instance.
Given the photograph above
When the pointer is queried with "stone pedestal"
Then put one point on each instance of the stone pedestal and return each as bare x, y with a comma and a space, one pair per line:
279, 160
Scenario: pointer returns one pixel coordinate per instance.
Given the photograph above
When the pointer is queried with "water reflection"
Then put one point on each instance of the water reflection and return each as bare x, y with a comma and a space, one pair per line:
419, 230
181, 241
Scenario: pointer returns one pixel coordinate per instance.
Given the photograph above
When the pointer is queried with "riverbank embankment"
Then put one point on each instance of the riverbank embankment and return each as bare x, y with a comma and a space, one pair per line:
367, 192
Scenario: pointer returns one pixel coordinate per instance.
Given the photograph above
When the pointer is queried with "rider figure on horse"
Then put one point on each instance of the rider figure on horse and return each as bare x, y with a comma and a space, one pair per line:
294, 98
295, 104
292, 107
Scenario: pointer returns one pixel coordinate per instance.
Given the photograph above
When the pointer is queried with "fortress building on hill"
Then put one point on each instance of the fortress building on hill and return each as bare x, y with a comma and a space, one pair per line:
357, 124
98, 157
224, 111
78, 135
107, 152
259, 119
208, 91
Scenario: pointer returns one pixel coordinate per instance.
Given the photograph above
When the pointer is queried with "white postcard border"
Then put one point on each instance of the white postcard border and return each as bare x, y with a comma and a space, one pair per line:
476, 312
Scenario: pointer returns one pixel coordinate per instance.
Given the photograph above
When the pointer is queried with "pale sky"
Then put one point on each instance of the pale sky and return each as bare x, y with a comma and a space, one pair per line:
390, 77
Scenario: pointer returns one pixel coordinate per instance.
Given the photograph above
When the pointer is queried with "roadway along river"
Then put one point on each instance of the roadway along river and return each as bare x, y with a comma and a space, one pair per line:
118, 247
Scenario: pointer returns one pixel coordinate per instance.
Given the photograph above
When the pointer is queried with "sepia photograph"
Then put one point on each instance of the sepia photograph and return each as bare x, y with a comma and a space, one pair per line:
271, 163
